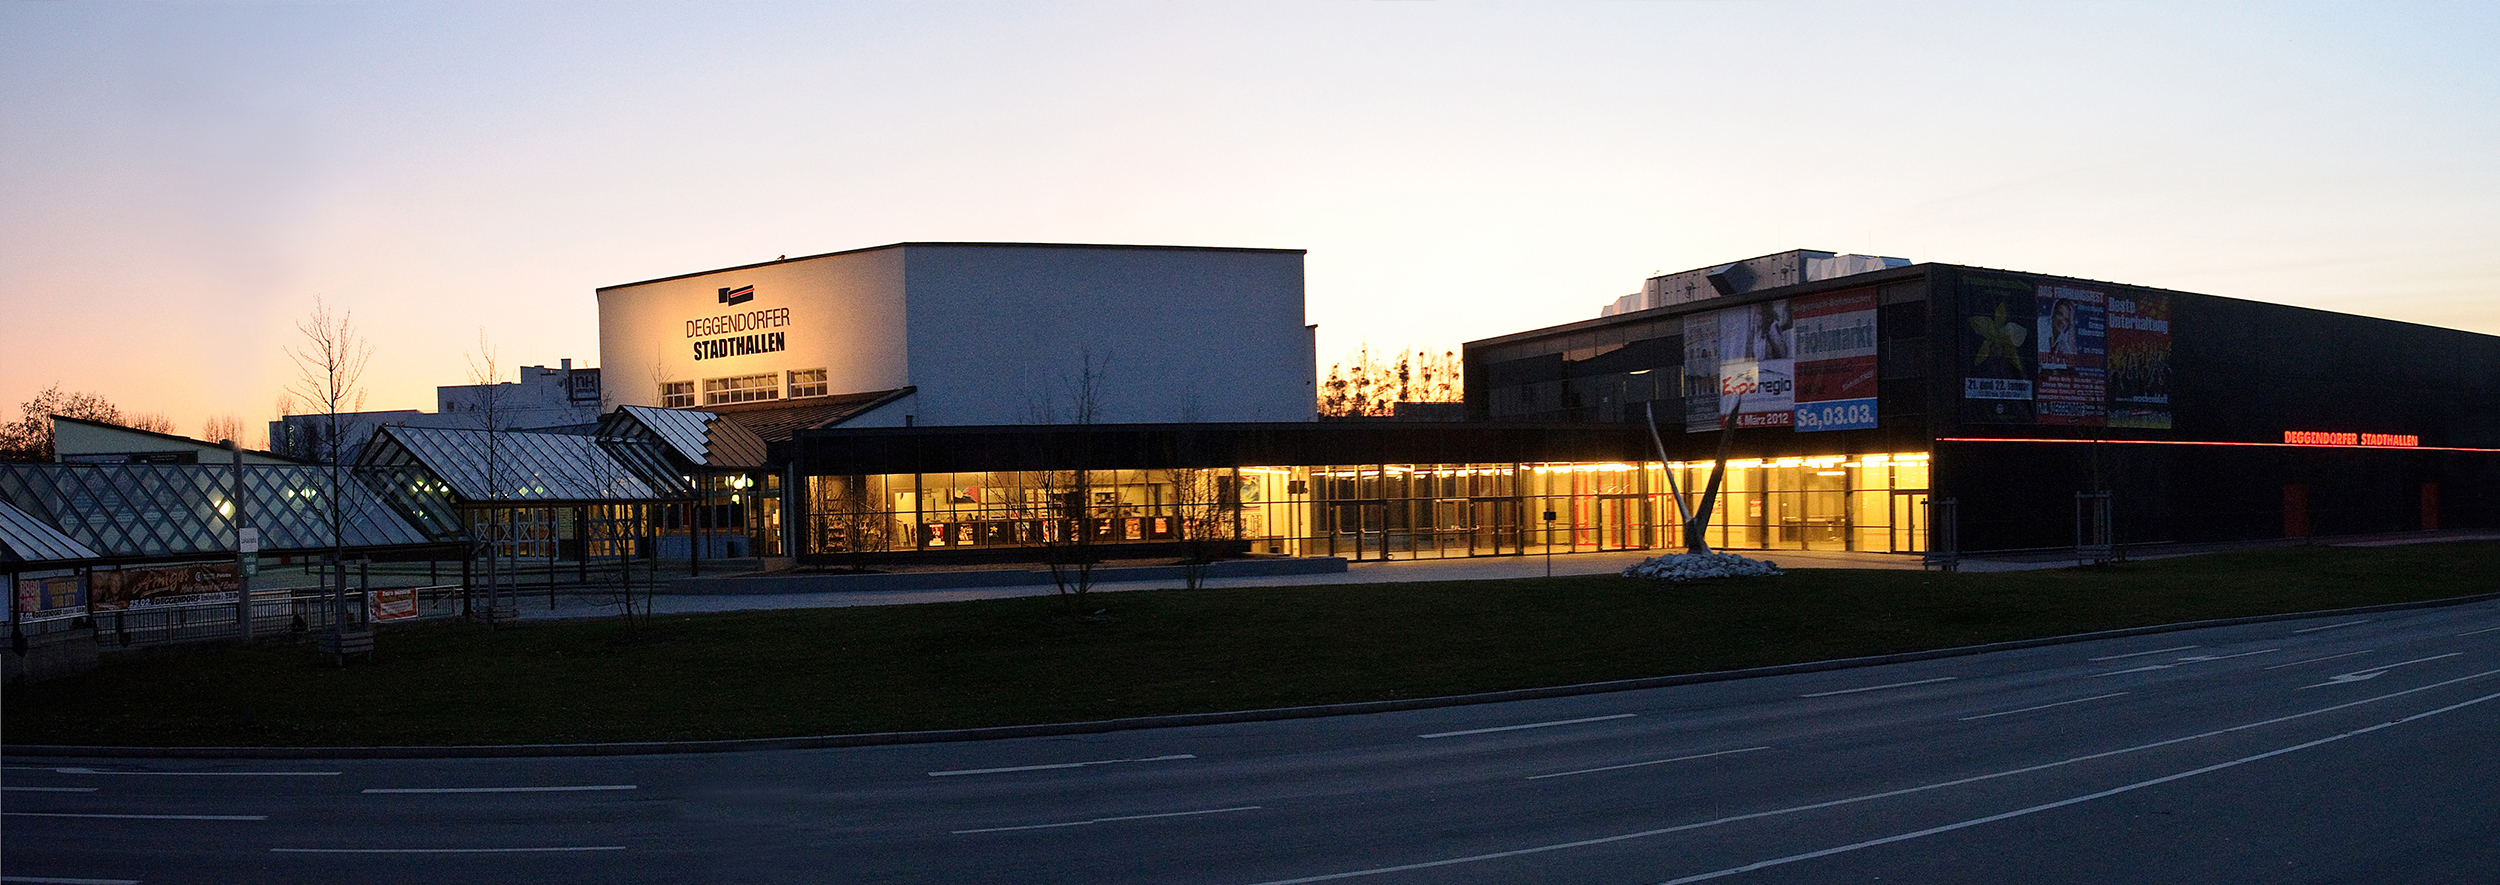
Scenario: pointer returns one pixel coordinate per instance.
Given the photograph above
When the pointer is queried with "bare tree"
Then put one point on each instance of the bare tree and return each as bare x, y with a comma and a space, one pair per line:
1367, 385
30, 437
220, 428
485, 371
1205, 518
329, 368
153, 422
1070, 527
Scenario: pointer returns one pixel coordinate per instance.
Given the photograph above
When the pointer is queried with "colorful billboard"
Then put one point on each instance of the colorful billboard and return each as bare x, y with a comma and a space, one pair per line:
166, 585
2072, 386
1701, 372
51, 597
2062, 355
1835, 361
2139, 361
1999, 350
1755, 367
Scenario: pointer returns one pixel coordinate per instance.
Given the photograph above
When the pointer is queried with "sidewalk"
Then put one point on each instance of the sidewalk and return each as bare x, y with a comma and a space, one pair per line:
533, 601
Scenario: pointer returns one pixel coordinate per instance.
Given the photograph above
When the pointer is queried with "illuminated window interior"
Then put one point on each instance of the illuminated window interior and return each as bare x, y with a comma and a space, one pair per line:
807, 382
676, 394
1870, 503
742, 389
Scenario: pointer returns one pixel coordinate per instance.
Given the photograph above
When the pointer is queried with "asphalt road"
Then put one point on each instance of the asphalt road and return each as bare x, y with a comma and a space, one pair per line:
2359, 749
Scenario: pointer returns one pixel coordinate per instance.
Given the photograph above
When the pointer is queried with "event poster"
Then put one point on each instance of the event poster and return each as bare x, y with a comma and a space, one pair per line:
1999, 350
51, 596
1758, 365
1701, 372
2139, 361
166, 585
2072, 386
1835, 361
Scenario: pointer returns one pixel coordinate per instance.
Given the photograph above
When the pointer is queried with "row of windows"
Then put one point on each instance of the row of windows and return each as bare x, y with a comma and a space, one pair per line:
746, 388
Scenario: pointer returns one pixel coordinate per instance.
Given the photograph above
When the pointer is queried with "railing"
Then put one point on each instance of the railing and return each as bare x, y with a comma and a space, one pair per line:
274, 613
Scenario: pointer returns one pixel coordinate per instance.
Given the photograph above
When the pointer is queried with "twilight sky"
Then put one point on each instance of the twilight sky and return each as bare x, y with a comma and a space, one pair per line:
179, 182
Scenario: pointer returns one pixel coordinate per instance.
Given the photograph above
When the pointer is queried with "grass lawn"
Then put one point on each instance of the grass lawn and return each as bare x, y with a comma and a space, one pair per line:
1021, 661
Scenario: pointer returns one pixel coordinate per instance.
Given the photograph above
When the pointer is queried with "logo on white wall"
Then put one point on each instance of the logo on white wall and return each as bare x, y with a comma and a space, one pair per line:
740, 295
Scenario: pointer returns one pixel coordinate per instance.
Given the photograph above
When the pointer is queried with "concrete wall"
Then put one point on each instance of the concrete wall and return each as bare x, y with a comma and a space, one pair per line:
1001, 333
845, 316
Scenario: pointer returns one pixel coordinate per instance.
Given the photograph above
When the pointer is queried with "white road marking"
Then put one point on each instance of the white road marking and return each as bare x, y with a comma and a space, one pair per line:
48, 789
199, 773
1448, 734
503, 789
57, 880
1173, 757
1540, 777
2190, 659
137, 816
1826, 694
2475, 632
2061, 803
444, 850
2136, 654
1605, 840
2042, 706
2333, 626
2375, 672
2315, 660
1105, 820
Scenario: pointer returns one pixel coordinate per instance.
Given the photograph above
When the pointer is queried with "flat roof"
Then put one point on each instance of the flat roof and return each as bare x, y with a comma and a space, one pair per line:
930, 244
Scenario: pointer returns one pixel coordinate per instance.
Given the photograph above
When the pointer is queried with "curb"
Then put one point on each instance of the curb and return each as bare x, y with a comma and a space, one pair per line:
1171, 721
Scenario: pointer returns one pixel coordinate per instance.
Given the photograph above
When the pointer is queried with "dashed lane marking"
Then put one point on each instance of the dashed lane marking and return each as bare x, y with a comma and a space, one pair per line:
2042, 706
1448, 734
1059, 765
1826, 694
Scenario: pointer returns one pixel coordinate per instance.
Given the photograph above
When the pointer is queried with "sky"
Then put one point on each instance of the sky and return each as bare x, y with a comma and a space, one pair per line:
180, 183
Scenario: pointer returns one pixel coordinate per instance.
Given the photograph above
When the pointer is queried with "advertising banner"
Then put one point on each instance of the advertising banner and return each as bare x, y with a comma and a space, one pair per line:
1701, 372
2072, 387
394, 603
1758, 365
1999, 350
51, 597
165, 585
1835, 360
2139, 361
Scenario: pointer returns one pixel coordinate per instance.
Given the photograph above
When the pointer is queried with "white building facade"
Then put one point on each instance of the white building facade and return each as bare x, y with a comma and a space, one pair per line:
974, 334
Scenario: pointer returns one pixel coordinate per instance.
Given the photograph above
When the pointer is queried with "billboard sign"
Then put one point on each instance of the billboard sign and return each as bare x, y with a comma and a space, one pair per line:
2072, 387
1999, 350
51, 597
1701, 372
1835, 361
394, 603
166, 585
2139, 360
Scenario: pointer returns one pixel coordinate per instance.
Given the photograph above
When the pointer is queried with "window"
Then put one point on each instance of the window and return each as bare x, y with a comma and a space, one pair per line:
742, 389
808, 382
676, 394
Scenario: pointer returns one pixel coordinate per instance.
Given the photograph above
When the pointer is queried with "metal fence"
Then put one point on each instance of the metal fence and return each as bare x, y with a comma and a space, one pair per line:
274, 613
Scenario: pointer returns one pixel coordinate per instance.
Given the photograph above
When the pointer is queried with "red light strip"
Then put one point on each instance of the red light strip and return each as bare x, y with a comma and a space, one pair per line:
2181, 442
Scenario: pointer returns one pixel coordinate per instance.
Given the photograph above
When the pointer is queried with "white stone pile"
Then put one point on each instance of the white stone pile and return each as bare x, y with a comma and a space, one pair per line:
1681, 567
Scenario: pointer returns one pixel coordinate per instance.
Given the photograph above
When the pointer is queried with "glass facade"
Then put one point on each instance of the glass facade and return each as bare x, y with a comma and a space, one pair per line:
1385, 511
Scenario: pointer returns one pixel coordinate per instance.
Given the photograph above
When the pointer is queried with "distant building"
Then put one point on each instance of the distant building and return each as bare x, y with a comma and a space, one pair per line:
976, 334
544, 398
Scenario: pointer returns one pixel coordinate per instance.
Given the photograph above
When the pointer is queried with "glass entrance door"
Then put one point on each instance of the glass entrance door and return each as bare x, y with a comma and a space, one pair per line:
1496, 528
1909, 521
1620, 523
1356, 529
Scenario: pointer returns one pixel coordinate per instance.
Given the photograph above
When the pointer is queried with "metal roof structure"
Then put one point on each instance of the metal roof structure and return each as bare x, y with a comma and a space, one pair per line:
138, 511
24, 538
518, 468
700, 439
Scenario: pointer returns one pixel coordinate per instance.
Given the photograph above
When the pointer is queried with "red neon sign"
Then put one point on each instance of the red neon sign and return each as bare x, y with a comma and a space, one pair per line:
2331, 438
